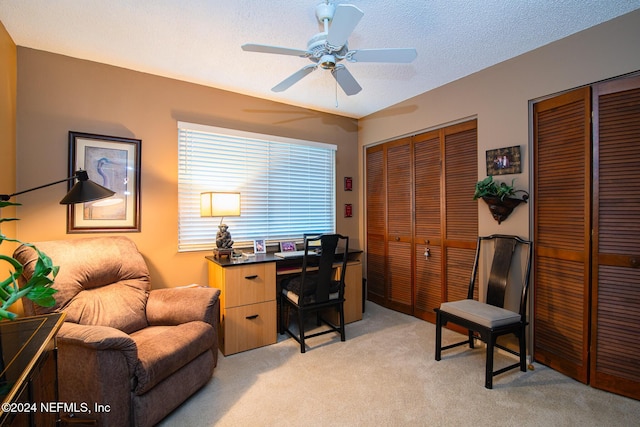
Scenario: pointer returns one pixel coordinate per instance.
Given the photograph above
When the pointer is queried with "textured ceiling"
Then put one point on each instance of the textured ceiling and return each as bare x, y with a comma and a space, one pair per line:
199, 40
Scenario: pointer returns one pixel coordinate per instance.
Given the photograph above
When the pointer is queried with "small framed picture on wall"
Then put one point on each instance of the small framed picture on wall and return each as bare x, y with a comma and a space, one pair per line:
348, 183
502, 161
348, 210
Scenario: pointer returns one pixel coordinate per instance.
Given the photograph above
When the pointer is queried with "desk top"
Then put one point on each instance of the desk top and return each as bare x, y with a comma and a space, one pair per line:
270, 257
22, 341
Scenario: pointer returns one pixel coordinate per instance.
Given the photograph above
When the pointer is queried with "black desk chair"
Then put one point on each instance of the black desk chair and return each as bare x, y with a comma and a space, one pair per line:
316, 288
487, 321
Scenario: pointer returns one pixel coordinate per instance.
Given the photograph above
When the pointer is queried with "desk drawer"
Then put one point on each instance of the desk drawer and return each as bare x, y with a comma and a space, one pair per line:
249, 284
247, 327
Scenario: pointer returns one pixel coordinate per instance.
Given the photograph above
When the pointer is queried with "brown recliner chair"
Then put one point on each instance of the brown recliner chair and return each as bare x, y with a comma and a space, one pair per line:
137, 352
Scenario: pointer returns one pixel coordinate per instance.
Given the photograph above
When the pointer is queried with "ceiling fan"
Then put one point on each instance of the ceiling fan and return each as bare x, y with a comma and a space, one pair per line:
328, 48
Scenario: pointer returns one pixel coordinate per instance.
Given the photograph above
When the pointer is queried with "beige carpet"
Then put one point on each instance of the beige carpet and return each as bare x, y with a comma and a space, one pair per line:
385, 375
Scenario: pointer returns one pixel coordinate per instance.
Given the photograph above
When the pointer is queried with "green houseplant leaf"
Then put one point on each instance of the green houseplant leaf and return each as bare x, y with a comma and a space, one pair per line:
37, 289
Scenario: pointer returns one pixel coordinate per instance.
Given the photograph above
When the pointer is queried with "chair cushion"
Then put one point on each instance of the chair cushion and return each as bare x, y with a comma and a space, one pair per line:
102, 281
483, 314
291, 288
162, 350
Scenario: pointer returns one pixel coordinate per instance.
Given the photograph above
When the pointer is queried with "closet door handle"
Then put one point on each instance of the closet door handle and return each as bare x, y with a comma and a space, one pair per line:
255, 316
255, 276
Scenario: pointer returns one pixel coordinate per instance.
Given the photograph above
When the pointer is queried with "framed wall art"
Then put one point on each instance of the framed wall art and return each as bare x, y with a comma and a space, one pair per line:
348, 183
502, 161
114, 163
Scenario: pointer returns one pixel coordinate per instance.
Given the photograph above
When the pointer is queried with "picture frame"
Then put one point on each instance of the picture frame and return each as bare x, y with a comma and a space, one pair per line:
259, 246
348, 210
348, 183
113, 162
503, 161
288, 246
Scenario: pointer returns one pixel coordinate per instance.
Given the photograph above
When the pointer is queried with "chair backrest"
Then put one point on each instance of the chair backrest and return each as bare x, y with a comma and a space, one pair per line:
325, 282
102, 281
505, 271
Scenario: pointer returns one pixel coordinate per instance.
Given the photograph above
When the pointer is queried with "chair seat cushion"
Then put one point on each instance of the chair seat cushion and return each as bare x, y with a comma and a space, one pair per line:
307, 300
478, 312
162, 350
291, 288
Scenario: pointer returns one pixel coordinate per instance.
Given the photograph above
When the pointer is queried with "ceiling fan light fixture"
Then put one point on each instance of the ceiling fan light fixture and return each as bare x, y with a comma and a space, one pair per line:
328, 62
327, 48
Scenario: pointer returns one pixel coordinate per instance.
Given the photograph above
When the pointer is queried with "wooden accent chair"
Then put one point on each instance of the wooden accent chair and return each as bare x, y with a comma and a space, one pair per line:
316, 288
490, 319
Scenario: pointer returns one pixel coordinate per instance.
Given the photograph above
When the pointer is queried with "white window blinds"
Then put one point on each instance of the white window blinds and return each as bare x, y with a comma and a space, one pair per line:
287, 186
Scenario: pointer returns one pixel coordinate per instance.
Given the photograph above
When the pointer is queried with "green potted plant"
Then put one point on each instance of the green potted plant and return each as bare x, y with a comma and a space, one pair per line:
38, 289
499, 196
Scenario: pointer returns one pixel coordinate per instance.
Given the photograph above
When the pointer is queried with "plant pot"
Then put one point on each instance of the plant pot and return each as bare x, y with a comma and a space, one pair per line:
502, 208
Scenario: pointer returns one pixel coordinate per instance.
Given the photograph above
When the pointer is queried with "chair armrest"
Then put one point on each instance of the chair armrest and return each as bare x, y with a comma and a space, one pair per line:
96, 365
98, 338
174, 306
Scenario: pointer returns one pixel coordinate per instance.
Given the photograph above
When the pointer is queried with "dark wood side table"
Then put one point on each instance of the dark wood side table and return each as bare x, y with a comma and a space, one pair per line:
28, 371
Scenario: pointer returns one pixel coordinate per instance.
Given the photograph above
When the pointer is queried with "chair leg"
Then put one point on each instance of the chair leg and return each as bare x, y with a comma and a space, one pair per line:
342, 334
523, 350
284, 314
471, 339
301, 331
488, 380
438, 337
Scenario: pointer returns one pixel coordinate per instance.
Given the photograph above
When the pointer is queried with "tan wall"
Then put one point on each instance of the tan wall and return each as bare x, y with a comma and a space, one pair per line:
58, 94
8, 87
499, 97
8, 74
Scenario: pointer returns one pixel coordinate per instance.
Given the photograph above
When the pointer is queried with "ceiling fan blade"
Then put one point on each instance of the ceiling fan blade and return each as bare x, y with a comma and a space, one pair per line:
344, 21
346, 81
262, 48
403, 55
294, 78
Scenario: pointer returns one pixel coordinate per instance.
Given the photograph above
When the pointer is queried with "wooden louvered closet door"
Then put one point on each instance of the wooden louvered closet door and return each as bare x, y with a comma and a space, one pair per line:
616, 255
399, 238
428, 270
376, 224
562, 229
415, 186
460, 210
389, 225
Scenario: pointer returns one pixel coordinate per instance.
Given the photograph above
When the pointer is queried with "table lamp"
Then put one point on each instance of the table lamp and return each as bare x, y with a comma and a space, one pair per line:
220, 204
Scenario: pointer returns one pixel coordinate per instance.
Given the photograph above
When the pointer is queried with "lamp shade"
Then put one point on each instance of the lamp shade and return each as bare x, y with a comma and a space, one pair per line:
219, 204
85, 190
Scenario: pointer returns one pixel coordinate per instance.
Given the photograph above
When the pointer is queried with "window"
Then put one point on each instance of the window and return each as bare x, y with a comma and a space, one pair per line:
287, 186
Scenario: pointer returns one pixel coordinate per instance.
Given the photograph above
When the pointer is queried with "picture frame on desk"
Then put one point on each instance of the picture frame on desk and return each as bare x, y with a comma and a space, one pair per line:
288, 246
259, 246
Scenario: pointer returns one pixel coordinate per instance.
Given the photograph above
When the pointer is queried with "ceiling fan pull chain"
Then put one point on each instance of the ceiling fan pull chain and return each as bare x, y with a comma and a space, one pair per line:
336, 93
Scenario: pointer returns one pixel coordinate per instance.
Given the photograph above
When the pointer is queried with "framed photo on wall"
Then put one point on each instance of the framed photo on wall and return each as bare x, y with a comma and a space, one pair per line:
502, 161
114, 163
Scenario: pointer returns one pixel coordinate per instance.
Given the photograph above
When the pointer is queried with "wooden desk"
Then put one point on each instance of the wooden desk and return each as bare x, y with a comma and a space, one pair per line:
29, 374
249, 286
